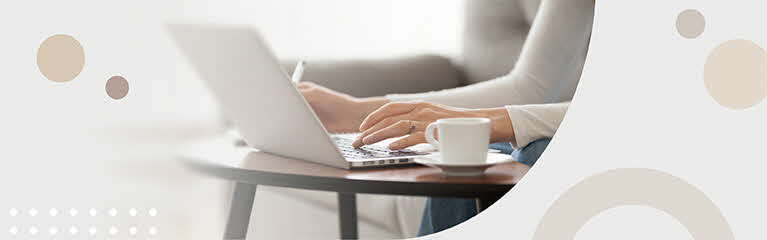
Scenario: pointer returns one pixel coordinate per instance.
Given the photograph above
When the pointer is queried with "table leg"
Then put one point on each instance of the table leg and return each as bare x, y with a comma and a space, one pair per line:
347, 215
483, 202
240, 208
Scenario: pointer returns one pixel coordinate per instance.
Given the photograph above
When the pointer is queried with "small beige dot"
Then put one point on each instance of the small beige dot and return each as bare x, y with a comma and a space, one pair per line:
735, 74
690, 23
117, 87
60, 58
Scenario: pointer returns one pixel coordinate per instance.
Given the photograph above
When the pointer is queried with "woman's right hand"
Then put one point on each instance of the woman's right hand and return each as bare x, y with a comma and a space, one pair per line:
338, 112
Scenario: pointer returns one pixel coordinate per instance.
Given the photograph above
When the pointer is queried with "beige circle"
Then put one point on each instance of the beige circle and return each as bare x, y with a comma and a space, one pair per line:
117, 87
60, 58
735, 74
633, 186
690, 23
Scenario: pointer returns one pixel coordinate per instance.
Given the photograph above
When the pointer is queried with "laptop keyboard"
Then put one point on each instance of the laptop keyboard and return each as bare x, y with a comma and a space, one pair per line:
370, 151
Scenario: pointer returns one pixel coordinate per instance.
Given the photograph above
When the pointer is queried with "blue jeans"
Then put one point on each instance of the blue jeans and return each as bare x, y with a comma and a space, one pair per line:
444, 213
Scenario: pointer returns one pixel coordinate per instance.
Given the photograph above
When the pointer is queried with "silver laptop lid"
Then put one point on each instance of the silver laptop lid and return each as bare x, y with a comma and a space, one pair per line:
254, 92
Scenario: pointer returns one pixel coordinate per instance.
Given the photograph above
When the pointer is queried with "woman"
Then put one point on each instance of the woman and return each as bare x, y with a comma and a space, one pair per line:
526, 105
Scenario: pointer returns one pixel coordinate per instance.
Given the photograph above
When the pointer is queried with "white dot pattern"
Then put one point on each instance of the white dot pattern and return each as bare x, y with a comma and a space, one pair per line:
73, 230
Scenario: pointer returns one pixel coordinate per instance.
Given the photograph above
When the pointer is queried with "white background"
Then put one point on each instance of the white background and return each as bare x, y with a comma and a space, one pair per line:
641, 103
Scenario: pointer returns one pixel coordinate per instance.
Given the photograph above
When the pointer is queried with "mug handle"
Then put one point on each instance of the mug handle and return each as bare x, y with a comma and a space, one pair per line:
429, 134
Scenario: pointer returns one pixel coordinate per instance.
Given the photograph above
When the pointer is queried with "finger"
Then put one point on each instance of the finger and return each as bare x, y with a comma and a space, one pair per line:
418, 126
399, 129
358, 142
308, 93
388, 110
413, 139
305, 85
380, 125
309, 90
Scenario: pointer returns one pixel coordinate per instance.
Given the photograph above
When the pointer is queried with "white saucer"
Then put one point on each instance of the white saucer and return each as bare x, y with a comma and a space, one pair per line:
463, 169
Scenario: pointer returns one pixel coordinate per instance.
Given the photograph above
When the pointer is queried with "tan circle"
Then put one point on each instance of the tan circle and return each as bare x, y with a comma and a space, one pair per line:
690, 23
117, 87
735, 74
60, 58
633, 186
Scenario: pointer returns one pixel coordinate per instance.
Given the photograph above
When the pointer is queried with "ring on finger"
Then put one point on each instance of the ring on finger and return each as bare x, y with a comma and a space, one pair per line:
412, 128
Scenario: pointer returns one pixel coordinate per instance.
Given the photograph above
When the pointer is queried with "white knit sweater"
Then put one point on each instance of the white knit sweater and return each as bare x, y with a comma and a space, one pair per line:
537, 91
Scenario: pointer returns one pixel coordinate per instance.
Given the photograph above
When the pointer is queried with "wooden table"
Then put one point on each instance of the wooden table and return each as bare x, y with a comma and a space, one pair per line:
254, 168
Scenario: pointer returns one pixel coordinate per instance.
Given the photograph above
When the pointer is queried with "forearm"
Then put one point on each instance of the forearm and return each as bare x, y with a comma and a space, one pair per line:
536, 121
548, 69
522, 124
377, 77
515, 88
502, 128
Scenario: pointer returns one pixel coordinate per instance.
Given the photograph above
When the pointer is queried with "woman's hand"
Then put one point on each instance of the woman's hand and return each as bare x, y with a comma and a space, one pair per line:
411, 119
338, 112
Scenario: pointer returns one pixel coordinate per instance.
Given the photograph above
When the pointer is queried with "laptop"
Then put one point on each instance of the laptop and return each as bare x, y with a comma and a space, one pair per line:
258, 97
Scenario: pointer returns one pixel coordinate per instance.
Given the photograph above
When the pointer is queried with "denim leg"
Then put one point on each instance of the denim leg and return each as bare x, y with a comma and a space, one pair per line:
504, 147
443, 213
530, 153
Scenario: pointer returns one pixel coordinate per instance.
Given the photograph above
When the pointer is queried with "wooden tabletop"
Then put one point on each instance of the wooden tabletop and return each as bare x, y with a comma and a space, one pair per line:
221, 158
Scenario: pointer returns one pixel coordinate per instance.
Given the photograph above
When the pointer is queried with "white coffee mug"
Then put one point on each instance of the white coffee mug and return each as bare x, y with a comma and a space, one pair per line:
461, 140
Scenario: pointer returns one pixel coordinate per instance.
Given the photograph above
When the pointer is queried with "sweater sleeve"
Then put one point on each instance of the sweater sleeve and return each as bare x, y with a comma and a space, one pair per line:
548, 69
535, 121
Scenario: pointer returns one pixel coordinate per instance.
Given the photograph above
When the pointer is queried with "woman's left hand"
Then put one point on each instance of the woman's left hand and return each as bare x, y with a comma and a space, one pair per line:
410, 119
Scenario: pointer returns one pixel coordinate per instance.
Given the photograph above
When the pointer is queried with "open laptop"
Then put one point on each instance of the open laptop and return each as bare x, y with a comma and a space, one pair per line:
257, 95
